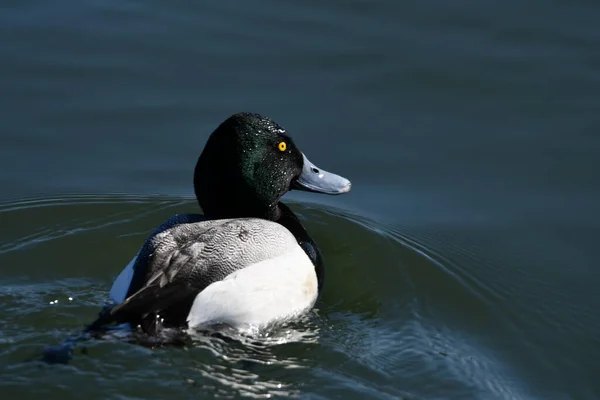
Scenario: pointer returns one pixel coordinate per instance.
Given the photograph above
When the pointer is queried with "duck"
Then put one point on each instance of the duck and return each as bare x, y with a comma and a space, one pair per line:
247, 262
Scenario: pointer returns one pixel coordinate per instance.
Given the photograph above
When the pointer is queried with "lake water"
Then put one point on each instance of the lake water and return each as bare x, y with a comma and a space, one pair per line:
462, 265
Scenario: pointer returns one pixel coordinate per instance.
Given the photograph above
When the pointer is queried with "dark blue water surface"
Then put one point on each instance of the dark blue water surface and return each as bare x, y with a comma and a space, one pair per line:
462, 265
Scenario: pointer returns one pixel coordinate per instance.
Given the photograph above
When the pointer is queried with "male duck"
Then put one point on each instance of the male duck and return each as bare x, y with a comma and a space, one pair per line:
247, 262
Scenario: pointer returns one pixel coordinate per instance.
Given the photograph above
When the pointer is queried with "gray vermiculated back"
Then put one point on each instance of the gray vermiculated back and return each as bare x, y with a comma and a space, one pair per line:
208, 251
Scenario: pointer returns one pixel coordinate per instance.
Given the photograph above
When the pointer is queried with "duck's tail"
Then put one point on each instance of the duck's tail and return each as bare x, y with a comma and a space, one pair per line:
150, 333
63, 352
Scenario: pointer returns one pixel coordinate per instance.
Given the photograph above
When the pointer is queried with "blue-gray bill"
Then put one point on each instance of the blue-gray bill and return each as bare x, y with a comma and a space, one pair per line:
314, 179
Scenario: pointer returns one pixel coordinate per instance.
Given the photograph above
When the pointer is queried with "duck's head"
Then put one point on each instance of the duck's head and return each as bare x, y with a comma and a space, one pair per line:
248, 163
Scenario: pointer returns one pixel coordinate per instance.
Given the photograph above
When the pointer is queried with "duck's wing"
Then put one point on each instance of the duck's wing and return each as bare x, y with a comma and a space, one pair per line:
185, 259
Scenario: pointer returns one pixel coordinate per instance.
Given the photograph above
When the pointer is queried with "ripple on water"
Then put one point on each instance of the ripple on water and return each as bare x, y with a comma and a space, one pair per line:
396, 319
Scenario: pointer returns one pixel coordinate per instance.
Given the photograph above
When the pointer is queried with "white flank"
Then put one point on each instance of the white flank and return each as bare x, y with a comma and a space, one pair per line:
121, 286
267, 292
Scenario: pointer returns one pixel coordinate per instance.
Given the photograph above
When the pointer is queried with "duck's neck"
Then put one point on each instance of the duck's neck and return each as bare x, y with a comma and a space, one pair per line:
236, 206
288, 219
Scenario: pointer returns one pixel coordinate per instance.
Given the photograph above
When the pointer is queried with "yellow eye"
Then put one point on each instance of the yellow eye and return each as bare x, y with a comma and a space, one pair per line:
282, 146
